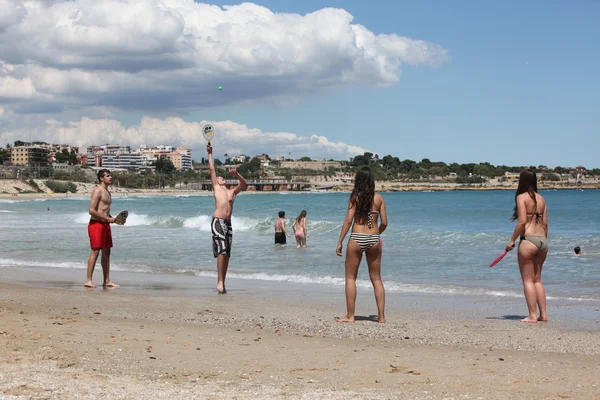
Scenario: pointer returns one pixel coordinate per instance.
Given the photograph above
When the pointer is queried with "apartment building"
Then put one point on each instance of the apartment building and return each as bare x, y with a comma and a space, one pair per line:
35, 156
121, 157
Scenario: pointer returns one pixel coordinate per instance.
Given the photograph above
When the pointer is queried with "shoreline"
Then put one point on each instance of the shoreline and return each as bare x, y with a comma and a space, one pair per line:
63, 344
8, 190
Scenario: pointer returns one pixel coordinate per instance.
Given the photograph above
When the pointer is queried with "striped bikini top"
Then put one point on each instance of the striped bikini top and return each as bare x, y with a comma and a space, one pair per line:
370, 218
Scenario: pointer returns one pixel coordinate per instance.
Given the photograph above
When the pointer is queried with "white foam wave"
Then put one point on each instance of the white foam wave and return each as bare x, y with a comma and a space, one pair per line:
239, 224
6, 211
393, 287
4, 262
82, 218
201, 222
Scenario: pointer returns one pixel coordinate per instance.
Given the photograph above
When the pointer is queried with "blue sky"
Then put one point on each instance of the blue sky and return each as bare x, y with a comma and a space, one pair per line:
519, 86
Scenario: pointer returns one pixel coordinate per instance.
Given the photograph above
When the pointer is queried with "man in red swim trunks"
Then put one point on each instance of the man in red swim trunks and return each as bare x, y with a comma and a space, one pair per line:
99, 229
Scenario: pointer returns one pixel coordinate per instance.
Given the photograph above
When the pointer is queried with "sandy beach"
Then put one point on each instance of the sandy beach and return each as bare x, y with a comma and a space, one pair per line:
151, 341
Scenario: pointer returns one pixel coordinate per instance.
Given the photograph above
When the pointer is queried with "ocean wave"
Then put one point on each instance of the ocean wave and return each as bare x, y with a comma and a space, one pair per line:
6, 211
4, 262
392, 287
200, 222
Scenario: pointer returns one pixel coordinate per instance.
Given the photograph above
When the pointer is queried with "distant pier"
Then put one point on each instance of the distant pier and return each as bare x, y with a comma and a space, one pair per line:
270, 185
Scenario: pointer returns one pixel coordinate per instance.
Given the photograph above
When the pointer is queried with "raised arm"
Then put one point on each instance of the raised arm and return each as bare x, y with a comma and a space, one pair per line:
345, 228
211, 166
242, 185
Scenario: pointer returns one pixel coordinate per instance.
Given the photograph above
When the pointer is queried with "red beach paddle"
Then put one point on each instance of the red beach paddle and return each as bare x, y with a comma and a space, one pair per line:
497, 260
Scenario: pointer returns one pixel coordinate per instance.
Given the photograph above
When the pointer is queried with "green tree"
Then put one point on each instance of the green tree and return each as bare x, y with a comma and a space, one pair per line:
73, 158
406, 166
4, 156
305, 159
549, 176
391, 162
164, 166
62, 156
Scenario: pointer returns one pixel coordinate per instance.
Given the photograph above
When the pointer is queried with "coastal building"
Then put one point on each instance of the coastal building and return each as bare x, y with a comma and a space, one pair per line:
63, 167
264, 160
181, 158
511, 177
35, 156
161, 151
121, 157
95, 154
238, 159
314, 165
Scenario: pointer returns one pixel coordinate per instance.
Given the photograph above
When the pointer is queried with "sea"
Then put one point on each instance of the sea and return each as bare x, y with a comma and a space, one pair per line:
436, 243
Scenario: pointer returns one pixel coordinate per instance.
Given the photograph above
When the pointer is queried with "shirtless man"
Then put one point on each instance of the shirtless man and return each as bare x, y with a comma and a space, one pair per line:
221, 222
99, 229
280, 231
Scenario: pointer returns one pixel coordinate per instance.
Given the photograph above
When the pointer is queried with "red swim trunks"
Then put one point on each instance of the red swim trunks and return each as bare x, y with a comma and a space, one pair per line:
100, 235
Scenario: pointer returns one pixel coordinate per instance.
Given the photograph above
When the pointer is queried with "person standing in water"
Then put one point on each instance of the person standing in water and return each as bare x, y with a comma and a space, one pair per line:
365, 207
531, 214
299, 227
99, 230
280, 232
222, 233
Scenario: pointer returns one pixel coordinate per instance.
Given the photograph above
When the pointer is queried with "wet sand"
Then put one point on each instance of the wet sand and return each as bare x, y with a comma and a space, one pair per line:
161, 339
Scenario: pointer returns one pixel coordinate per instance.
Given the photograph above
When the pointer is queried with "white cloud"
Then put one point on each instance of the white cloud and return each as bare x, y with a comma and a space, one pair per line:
172, 54
12, 12
230, 137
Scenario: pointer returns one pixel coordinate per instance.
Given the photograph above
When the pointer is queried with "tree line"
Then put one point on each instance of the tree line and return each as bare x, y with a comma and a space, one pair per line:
390, 167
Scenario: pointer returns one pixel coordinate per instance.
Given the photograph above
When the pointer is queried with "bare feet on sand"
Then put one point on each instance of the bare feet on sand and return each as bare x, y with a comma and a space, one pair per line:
221, 288
110, 284
89, 284
345, 319
530, 320
543, 319
381, 320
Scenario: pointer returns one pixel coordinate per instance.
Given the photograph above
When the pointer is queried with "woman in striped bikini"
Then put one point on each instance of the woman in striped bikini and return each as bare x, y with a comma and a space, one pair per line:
365, 207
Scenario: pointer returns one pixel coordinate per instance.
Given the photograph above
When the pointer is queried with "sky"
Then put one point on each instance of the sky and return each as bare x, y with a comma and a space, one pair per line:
507, 82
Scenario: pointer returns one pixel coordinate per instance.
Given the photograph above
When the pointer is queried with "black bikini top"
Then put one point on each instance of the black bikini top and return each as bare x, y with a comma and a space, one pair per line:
538, 215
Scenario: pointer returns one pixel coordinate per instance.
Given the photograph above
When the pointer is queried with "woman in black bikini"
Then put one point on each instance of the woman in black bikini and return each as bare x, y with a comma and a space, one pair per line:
531, 214
364, 208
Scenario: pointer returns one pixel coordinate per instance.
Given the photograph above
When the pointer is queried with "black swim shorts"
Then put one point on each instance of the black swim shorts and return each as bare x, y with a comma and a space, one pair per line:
222, 236
280, 238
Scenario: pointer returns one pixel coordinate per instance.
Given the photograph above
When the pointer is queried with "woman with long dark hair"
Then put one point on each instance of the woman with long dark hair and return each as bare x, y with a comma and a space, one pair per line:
531, 215
365, 207
299, 227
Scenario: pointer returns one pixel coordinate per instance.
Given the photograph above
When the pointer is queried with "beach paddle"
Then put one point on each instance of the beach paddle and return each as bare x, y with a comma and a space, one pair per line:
208, 131
497, 260
121, 217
